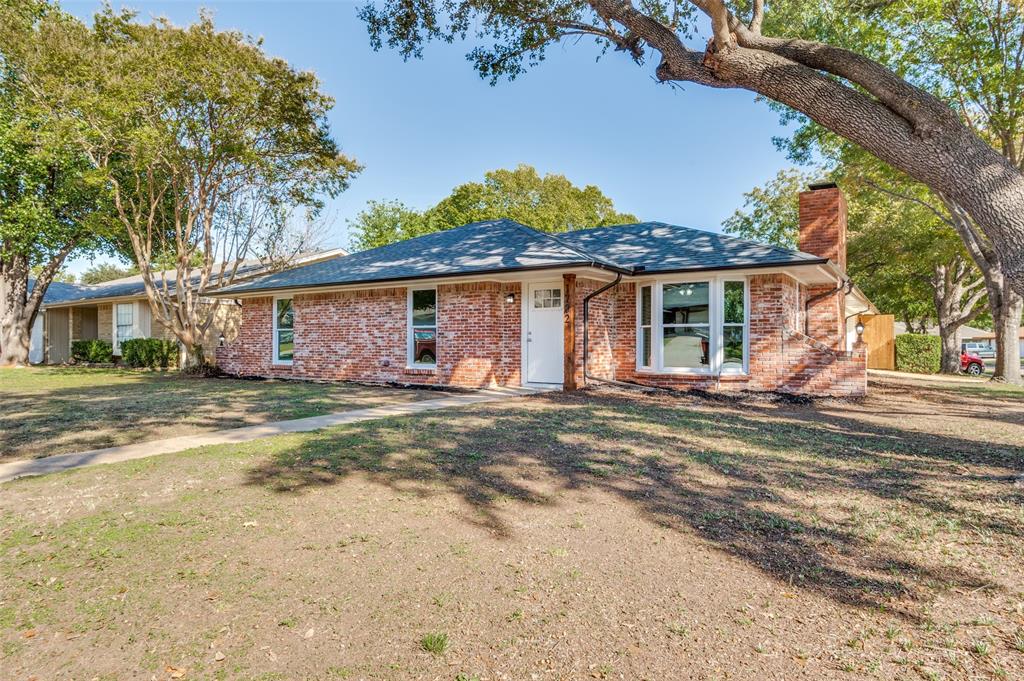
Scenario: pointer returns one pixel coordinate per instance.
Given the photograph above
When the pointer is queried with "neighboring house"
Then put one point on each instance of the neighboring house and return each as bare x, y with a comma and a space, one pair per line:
118, 310
499, 303
989, 338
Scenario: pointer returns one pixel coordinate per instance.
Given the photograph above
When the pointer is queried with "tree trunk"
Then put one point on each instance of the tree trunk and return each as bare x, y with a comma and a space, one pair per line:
1006, 317
950, 336
16, 314
854, 97
193, 358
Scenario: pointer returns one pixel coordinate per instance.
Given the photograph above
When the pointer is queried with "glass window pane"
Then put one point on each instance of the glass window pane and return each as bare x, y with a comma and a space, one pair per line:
547, 298
645, 347
424, 346
732, 339
734, 302
685, 303
285, 344
285, 316
424, 308
645, 306
686, 347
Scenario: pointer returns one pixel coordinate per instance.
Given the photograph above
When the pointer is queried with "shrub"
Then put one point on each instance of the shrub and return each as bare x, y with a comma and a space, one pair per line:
95, 351
149, 353
918, 354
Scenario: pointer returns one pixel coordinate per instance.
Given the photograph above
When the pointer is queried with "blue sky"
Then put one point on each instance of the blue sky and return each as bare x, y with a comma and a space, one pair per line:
679, 155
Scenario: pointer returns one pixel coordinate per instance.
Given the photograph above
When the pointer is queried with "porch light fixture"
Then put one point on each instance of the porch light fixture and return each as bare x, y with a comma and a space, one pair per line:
859, 328
220, 341
510, 298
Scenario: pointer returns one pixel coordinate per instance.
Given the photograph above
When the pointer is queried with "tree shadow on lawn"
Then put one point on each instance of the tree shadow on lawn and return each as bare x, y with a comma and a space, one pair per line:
745, 479
151, 404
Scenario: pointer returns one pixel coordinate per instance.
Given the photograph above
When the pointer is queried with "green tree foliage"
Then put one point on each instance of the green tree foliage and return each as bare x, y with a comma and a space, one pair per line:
209, 145
771, 214
97, 274
385, 222
930, 87
52, 201
550, 203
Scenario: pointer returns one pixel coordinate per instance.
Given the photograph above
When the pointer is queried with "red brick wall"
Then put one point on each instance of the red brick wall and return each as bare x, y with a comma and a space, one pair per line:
362, 336
781, 358
823, 224
600, 362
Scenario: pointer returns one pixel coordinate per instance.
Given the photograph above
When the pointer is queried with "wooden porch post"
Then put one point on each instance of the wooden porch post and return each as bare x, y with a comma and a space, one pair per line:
569, 331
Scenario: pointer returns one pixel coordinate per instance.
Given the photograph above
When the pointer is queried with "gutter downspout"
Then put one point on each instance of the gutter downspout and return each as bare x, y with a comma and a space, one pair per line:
586, 335
848, 285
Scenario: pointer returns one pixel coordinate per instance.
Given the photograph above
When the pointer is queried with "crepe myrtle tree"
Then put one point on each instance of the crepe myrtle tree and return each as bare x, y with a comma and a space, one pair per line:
843, 89
210, 148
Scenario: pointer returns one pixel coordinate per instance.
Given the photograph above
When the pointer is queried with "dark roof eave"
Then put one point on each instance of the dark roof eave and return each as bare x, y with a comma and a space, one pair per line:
738, 266
628, 271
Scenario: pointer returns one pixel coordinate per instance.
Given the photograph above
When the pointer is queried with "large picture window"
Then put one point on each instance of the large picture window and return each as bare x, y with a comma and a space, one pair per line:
423, 327
284, 331
701, 328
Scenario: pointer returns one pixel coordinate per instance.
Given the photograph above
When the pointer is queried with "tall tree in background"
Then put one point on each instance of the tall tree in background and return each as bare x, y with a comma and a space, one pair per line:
550, 203
849, 67
209, 147
970, 53
97, 274
904, 258
51, 200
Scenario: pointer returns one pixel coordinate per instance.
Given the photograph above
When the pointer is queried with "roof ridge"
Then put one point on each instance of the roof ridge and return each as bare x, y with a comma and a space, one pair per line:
592, 257
731, 237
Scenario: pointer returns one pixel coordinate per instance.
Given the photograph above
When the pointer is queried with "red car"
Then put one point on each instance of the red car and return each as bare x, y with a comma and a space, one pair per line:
971, 364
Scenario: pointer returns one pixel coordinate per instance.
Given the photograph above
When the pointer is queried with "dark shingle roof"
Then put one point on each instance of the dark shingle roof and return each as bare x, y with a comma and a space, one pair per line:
488, 246
658, 247
495, 246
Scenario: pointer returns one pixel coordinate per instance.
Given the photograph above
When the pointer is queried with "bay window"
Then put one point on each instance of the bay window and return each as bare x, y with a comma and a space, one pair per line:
701, 328
284, 331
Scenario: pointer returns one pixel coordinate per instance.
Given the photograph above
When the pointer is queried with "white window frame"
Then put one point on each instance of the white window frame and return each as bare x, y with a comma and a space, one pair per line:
410, 329
117, 338
742, 370
716, 318
640, 326
277, 337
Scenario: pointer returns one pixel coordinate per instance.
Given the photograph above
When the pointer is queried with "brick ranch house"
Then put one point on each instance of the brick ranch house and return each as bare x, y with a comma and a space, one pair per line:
498, 303
119, 309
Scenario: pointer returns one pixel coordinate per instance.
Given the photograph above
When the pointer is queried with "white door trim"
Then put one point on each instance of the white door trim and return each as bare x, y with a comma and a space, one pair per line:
527, 300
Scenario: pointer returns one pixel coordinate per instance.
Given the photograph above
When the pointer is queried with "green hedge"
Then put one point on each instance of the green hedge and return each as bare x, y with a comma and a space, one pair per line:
149, 353
95, 351
918, 354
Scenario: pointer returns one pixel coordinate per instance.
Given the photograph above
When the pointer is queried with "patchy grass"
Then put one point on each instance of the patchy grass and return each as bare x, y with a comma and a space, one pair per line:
52, 410
601, 535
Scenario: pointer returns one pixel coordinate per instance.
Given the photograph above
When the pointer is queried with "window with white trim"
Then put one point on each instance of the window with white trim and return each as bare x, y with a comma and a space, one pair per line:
422, 315
644, 341
284, 331
124, 323
697, 325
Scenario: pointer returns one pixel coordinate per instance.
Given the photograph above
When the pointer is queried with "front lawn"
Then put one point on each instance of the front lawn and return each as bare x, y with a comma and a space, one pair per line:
53, 410
554, 537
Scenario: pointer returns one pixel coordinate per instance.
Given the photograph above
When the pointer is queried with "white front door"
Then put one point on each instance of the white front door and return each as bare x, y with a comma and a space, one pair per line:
544, 350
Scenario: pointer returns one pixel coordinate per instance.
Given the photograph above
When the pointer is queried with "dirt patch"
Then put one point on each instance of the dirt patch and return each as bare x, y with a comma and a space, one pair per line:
600, 535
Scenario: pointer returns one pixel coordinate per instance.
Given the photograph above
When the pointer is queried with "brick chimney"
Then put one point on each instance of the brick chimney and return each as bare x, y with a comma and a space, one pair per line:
823, 222
823, 233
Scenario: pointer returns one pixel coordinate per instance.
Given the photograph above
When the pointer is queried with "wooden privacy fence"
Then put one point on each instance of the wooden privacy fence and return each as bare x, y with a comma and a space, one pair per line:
879, 337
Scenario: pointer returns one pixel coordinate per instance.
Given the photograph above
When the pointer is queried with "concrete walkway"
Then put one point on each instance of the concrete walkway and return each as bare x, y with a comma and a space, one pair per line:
140, 450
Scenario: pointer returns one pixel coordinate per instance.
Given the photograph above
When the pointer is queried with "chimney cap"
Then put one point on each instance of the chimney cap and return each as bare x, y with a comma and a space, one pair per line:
814, 186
